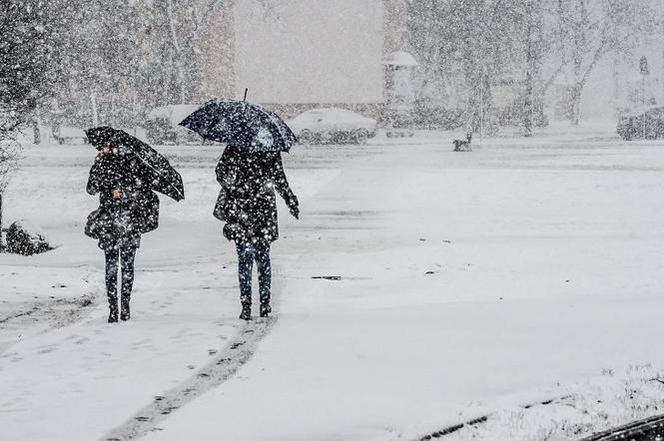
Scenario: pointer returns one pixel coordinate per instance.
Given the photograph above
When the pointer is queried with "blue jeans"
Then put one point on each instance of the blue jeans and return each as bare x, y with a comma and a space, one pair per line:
115, 257
247, 252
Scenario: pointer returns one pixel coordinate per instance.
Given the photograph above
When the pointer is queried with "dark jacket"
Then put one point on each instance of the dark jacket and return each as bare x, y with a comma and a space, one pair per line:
247, 199
122, 221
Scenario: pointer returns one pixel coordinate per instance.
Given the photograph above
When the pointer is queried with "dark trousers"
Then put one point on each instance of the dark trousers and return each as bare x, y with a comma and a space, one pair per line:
115, 257
247, 252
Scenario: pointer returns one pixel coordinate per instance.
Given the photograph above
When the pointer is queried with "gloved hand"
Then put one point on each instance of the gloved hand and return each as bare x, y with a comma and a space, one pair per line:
294, 207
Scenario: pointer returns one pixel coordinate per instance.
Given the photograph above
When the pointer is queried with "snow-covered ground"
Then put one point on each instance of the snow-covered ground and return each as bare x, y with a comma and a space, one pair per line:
581, 409
468, 283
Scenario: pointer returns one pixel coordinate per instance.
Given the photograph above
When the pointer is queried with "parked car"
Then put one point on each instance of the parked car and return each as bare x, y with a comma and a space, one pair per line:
631, 125
68, 135
333, 126
162, 125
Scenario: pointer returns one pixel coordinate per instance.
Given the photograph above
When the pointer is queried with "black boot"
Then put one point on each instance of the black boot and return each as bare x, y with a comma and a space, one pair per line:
124, 309
113, 309
246, 311
266, 309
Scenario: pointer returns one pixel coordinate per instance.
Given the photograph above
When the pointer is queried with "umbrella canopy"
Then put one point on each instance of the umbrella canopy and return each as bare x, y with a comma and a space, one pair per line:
163, 177
242, 124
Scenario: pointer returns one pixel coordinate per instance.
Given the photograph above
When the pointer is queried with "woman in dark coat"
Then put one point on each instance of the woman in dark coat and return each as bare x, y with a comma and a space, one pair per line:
127, 209
248, 205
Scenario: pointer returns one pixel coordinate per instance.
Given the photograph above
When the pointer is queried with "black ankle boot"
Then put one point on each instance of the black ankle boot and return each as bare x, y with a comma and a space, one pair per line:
246, 311
112, 310
266, 309
124, 309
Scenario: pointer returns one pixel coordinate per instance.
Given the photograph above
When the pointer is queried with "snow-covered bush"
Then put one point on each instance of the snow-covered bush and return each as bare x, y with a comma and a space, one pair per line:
582, 409
25, 240
25, 76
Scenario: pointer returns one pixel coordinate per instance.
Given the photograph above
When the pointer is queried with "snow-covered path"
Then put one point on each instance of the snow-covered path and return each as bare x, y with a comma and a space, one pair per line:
467, 282
66, 373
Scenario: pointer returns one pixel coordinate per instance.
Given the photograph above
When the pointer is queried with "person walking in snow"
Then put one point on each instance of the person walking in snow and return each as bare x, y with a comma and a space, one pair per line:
248, 204
127, 209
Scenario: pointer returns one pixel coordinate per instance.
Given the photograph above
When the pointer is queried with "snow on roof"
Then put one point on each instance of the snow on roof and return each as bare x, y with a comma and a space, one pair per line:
400, 58
333, 111
330, 113
641, 110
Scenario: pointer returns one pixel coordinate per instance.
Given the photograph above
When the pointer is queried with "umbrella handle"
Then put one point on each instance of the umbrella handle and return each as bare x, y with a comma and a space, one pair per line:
246, 90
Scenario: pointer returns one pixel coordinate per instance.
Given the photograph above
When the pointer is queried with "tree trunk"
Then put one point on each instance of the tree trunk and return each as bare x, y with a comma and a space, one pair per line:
575, 94
179, 52
528, 109
2, 245
36, 135
575, 98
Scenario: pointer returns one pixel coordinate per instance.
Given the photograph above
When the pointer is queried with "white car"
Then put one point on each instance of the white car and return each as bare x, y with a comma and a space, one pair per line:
162, 125
332, 126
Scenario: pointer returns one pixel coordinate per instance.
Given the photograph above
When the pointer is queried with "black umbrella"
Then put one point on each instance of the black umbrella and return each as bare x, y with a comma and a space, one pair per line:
164, 178
241, 124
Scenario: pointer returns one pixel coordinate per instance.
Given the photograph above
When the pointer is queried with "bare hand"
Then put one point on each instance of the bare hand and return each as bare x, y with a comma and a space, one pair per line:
117, 194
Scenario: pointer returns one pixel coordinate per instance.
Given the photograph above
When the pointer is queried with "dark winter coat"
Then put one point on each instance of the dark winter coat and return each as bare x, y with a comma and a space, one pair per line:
122, 221
247, 201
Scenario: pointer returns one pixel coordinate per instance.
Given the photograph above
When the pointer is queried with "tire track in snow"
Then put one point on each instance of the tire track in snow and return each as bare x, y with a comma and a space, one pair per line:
223, 367
476, 421
19, 320
60, 312
219, 370
215, 373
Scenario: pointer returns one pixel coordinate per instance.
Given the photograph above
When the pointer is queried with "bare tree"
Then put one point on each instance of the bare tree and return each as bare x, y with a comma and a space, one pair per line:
122, 57
533, 42
175, 34
24, 75
8, 162
474, 44
589, 30
97, 41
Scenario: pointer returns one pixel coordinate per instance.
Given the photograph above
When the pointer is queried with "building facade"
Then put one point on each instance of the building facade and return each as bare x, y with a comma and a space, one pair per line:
297, 54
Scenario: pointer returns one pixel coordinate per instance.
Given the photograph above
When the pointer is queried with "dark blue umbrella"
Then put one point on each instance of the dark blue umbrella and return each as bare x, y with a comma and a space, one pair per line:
241, 124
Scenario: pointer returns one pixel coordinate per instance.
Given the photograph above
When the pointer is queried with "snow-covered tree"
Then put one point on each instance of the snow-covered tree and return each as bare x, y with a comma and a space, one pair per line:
97, 41
467, 47
127, 56
25, 74
8, 157
530, 38
174, 33
590, 30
